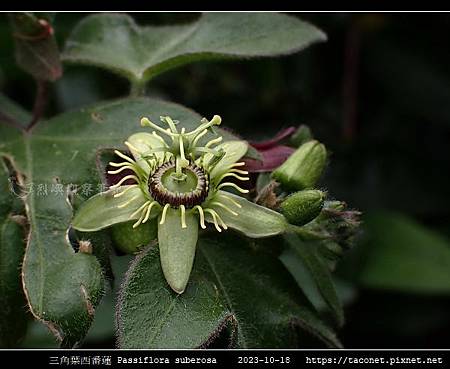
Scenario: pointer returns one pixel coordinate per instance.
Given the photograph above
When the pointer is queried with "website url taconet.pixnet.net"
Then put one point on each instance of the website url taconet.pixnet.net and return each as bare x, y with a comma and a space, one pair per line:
381, 360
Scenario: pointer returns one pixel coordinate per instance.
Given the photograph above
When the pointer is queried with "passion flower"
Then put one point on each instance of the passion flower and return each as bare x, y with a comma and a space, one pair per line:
180, 179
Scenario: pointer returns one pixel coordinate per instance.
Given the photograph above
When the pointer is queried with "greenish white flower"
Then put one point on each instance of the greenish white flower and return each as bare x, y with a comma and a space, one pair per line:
183, 183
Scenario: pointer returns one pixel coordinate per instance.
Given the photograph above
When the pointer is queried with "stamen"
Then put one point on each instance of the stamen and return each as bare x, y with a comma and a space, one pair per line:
229, 184
183, 216
145, 122
202, 216
149, 209
124, 191
164, 212
224, 207
216, 120
126, 203
131, 176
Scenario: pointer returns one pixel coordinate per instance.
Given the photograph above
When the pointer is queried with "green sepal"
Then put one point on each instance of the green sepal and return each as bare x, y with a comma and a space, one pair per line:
144, 142
177, 248
253, 220
101, 210
234, 150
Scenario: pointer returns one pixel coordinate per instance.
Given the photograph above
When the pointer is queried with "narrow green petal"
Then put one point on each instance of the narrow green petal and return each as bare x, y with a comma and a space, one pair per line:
234, 150
144, 142
102, 210
253, 220
177, 247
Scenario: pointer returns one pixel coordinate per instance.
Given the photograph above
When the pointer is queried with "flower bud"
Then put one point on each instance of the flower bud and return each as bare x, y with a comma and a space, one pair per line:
130, 240
301, 135
303, 168
303, 206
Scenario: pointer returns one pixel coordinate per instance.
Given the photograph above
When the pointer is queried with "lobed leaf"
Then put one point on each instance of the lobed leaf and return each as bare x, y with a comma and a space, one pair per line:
117, 43
231, 285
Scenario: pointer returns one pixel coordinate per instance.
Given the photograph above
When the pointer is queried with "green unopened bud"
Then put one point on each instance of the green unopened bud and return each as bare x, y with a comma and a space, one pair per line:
301, 135
303, 206
303, 168
130, 240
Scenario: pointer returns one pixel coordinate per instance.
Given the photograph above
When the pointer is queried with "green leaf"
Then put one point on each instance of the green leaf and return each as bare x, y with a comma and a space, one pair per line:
63, 287
35, 46
231, 284
253, 220
12, 112
177, 248
13, 318
117, 43
102, 210
315, 266
402, 255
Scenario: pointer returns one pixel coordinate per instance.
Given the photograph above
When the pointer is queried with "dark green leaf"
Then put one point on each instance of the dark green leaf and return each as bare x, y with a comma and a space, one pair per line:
403, 255
230, 284
316, 268
13, 318
116, 42
12, 112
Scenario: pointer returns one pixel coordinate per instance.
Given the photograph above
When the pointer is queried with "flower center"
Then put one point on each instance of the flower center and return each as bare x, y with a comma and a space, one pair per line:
189, 188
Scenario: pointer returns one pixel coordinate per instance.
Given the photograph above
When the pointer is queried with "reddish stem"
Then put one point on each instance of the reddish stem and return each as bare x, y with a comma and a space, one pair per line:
40, 103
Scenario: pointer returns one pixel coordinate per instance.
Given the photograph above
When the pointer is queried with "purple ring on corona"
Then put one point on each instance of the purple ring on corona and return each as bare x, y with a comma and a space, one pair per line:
189, 199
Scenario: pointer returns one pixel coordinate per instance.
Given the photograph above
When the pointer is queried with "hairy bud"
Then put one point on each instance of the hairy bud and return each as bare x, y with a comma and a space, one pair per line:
303, 168
303, 206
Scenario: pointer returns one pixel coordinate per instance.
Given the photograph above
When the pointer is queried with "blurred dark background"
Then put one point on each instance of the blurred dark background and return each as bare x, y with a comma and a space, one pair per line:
377, 93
